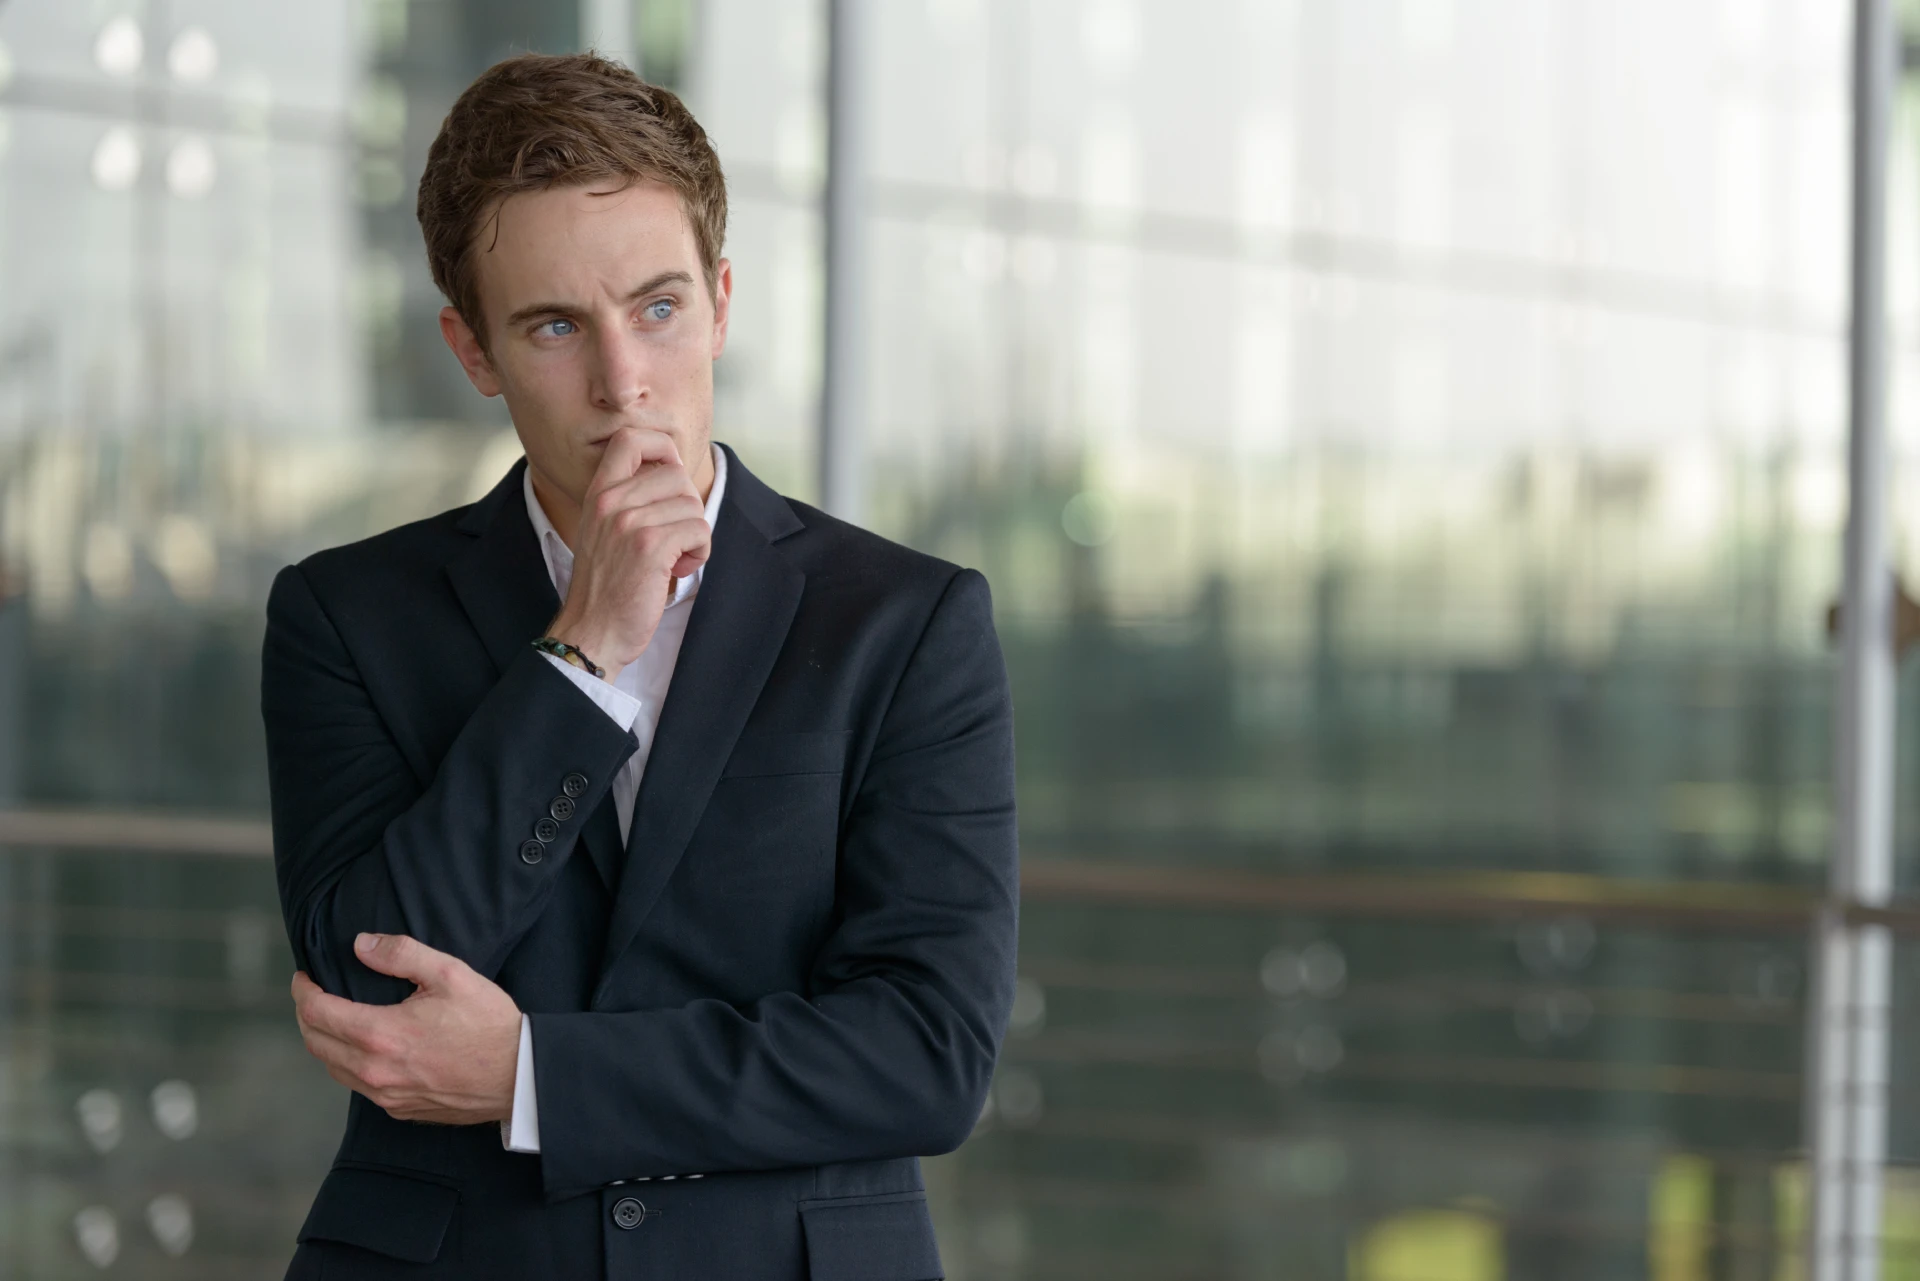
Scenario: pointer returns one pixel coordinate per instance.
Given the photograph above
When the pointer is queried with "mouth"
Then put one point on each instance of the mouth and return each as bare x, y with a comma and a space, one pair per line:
598, 443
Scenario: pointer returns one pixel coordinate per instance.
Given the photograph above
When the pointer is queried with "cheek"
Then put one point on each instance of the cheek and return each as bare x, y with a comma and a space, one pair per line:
542, 407
682, 370
541, 395
545, 382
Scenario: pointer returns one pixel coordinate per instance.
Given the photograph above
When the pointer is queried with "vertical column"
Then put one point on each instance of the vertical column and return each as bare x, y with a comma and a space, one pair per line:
842, 458
14, 910
1847, 1050
606, 27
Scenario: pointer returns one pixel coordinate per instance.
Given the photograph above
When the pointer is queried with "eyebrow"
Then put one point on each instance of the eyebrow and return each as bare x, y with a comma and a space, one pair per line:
653, 285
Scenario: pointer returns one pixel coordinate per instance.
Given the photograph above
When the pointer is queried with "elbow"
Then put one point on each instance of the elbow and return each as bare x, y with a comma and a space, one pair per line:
952, 1116
311, 954
315, 954
321, 934
953, 1129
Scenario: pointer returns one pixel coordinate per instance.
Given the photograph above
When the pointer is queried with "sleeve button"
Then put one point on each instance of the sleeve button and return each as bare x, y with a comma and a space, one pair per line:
574, 785
562, 808
545, 830
532, 852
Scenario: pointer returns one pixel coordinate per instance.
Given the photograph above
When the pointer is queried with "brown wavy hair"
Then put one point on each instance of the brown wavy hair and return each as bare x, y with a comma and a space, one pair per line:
544, 120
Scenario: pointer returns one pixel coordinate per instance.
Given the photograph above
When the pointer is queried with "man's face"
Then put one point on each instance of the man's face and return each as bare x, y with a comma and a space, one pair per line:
598, 317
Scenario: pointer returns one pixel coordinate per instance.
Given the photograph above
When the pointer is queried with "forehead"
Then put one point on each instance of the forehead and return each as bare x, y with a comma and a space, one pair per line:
569, 243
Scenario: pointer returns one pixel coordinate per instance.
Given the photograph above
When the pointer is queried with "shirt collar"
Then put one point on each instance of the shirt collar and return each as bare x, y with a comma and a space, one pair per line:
559, 557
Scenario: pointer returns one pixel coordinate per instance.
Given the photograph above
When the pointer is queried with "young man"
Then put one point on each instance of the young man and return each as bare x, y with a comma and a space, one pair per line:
646, 839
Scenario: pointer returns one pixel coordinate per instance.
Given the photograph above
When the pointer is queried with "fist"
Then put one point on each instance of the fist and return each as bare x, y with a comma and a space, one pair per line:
642, 525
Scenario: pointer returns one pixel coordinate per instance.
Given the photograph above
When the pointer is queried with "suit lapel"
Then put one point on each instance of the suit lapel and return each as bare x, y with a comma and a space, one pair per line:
600, 838
747, 599
501, 579
503, 585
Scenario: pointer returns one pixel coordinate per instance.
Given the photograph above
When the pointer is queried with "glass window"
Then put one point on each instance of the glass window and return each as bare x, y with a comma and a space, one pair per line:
1406, 444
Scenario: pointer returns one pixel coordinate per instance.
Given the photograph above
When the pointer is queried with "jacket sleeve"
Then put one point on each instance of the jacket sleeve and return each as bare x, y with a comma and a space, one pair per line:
359, 842
891, 1051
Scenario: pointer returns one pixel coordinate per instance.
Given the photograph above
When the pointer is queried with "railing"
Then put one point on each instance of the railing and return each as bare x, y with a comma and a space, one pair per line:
1230, 1071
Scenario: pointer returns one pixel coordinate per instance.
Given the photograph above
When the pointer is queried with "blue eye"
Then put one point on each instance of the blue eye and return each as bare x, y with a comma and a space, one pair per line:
660, 309
557, 328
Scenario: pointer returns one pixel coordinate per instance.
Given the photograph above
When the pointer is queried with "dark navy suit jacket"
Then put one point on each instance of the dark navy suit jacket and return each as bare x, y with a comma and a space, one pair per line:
791, 980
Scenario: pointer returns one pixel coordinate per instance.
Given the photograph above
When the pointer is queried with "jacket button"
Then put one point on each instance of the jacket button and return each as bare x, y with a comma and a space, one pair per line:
561, 808
574, 785
545, 830
532, 852
628, 1213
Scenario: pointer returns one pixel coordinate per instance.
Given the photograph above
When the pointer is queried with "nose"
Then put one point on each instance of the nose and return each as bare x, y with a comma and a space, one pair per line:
618, 379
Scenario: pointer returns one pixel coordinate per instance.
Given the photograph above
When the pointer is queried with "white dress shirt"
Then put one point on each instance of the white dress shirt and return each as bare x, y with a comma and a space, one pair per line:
632, 696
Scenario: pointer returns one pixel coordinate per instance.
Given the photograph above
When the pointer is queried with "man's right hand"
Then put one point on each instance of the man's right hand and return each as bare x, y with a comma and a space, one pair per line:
642, 525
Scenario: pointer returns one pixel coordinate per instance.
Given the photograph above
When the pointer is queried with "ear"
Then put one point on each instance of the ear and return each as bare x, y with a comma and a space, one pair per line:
467, 350
722, 304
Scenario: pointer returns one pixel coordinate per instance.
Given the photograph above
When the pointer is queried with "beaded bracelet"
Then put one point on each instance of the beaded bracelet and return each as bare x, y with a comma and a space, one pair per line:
569, 653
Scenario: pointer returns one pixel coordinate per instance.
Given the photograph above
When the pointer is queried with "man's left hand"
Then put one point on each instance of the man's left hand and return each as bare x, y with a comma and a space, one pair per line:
446, 1054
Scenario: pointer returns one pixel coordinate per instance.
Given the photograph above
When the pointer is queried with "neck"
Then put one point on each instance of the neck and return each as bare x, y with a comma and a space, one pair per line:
564, 511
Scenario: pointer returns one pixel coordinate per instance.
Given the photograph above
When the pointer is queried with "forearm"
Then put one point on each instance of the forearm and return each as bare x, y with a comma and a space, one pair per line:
463, 860
454, 869
879, 1069
360, 846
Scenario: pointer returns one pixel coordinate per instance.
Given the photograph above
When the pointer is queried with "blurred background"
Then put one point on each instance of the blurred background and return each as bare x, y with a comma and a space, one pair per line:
1406, 441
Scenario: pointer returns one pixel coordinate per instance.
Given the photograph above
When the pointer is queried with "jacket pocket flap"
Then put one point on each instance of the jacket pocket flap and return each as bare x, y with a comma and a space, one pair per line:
871, 1238
809, 753
389, 1214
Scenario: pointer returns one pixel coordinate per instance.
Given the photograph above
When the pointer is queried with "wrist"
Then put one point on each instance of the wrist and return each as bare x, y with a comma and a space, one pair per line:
572, 655
594, 644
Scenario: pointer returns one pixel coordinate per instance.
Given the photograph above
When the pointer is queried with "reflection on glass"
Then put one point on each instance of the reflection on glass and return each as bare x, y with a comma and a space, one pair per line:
1404, 443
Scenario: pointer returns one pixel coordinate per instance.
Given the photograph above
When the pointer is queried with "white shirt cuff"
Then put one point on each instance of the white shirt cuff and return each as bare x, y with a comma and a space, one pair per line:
521, 1132
623, 707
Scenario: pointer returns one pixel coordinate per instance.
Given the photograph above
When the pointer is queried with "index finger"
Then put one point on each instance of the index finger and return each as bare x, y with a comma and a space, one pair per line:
628, 450
303, 986
338, 1017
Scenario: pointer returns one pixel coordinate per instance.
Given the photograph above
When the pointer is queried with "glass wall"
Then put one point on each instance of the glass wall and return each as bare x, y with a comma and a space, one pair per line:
1404, 440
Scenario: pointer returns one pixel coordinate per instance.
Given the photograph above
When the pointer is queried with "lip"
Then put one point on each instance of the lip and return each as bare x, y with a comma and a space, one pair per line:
600, 441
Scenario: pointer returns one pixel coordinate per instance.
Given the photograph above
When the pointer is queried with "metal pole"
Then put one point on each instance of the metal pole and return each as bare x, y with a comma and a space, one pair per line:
1847, 1081
842, 459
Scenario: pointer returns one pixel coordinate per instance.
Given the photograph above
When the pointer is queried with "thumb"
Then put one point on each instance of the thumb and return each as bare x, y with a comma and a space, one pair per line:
403, 957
